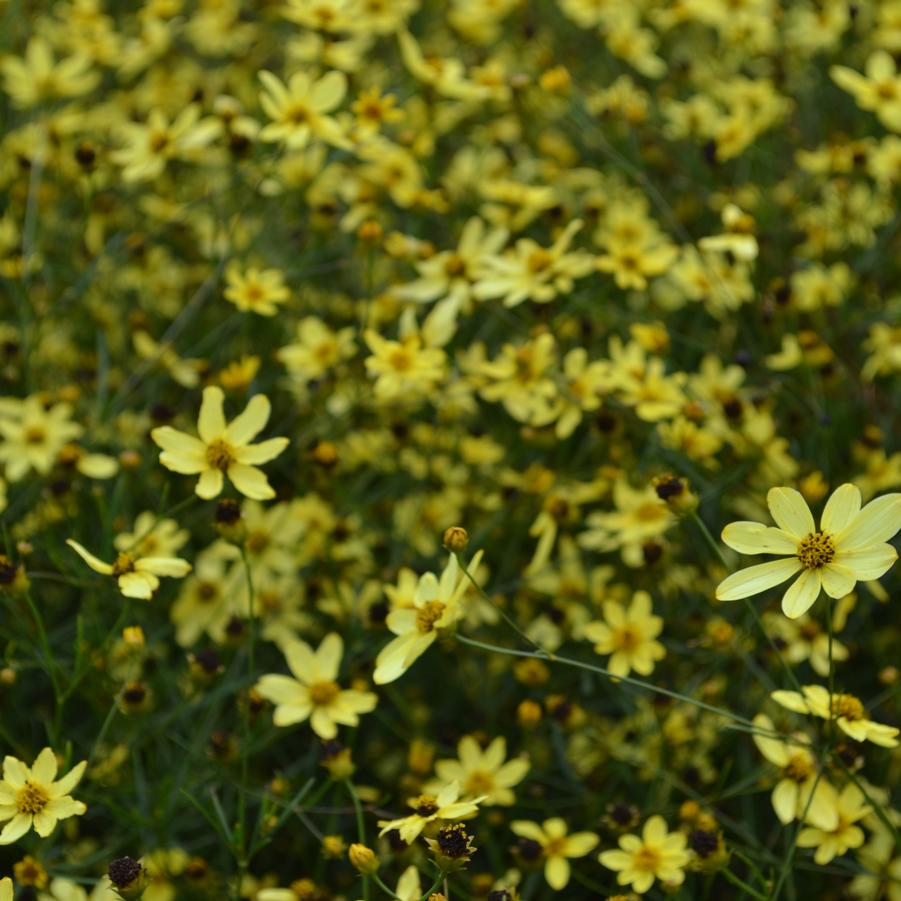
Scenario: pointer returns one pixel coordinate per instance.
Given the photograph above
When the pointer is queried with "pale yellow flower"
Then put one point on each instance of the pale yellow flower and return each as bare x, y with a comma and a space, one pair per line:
314, 693
658, 854
483, 772
223, 448
557, 846
429, 808
32, 796
628, 634
850, 546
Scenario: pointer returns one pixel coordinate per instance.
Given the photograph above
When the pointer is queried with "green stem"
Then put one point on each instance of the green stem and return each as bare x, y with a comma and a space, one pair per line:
49, 664
717, 550
740, 883
361, 828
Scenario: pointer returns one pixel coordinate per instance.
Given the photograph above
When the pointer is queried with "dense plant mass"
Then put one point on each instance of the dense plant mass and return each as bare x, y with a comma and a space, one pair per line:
449, 450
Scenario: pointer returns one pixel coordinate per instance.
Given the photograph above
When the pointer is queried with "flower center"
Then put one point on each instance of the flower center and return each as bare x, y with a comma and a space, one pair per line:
219, 454
798, 768
479, 783
626, 639
323, 693
31, 798
425, 805
816, 550
646, 858
428, 615
847, 706
124, 564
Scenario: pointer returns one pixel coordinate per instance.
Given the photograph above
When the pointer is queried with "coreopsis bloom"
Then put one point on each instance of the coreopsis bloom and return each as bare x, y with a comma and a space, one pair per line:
317, 349
799, 778
658, 854
429, 808
136, 576
850, 546
484, 772
878, 90
847, 711
223, 448
32, 435
255, 290
835, 833
38, 76
436, 607
628, 634
32, 796
557, 846
314, 693
299, 110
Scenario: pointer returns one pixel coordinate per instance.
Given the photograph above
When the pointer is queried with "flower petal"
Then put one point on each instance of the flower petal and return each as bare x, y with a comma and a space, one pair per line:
251, 422
262, 452
803, 592
211, 422
841, 508
755, 579
94, 562
837, 580
875, 524
867, 563
209, 485
43, 770
790, 511
756, 538
250, 481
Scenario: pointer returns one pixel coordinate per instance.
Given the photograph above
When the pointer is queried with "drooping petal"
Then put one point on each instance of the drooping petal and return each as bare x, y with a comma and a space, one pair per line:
840, 509
790, 511
785, 800
211, 422
137, 585
756, 538
802, 593
95, 563
758, 578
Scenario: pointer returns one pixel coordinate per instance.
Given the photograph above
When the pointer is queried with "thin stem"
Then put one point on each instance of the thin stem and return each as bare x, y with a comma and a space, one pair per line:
50, 664
717, 550
361, 828
740, 883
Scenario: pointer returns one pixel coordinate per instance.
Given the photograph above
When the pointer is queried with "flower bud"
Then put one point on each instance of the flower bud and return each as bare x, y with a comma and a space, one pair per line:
456, 539
363, 859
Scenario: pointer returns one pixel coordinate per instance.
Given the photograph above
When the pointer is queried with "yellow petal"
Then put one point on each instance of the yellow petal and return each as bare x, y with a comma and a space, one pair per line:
758, 578
790, 511
840, 509
756, 538
800, 596
875, 524
251, 422
95, 563
250, 481
211, 422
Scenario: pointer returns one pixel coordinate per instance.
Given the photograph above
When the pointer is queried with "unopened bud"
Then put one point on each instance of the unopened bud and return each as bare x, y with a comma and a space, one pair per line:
363, 859
456, 539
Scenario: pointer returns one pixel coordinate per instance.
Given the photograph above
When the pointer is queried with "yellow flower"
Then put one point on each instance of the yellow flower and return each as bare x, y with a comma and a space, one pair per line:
435, 607
32, 435
255, 290
30, 796
835, 833
845, 709
314, 694
135, 575
38, 76
299, 109
485, 772
628, 634
223, 448
799, 775
850, 546
556, 846
878, 91
427, 809
658, 854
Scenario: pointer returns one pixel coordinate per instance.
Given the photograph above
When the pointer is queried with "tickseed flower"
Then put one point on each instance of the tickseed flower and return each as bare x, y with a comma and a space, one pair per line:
850, 546
485, 772
556, 846
452, 847
30, 796
135, 575
255, 290
628, 634
436, 606
299, 110
429, 808
658, 854
798, 775
834, 834
223, 448
314, 694
847, 711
